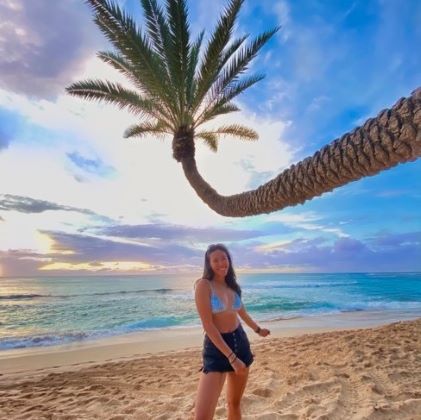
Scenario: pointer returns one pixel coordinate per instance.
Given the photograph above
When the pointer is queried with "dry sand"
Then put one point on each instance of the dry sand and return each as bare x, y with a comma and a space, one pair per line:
360, 373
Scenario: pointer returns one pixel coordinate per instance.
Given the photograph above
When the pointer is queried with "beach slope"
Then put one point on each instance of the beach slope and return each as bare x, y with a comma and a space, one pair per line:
364, 373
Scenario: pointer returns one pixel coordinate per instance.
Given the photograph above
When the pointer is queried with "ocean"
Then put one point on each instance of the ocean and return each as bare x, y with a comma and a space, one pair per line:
58, 310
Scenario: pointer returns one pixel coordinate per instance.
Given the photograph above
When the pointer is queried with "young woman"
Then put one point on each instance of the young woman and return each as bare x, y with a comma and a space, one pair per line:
226, 348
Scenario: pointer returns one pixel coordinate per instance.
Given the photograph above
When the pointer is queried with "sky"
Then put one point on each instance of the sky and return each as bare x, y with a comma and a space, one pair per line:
76, 198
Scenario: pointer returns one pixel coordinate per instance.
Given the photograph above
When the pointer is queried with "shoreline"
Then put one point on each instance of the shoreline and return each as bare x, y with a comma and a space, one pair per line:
59, 358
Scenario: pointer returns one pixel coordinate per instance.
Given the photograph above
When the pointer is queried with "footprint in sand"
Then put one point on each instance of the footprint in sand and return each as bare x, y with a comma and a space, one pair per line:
262, 392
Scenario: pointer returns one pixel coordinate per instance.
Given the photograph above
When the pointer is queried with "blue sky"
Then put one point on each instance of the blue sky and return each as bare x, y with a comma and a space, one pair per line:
76, 198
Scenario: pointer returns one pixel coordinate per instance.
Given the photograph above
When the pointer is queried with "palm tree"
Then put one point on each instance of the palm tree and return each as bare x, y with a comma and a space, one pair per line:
179, 88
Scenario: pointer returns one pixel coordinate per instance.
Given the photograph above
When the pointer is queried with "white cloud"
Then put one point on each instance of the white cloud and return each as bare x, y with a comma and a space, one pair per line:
282, 11
148, 183
229, 170
22, 231
306, 221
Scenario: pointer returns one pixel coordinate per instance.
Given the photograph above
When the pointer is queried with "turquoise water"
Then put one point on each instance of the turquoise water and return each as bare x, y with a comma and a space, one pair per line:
50, 311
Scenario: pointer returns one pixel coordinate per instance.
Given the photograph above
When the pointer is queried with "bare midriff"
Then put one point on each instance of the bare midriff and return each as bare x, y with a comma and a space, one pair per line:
226, 321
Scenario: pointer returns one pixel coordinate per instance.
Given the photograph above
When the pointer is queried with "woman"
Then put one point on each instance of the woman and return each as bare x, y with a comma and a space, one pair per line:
226, 348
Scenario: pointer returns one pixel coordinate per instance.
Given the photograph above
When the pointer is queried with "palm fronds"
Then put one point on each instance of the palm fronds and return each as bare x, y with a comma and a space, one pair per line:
221, 103
211, 62
238, 65
211, 140
141, 130
118, 95
122, 31
177, 19
236, 130
179, 84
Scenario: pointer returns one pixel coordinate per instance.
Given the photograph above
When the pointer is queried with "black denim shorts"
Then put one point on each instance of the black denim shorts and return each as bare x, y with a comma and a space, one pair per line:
215, 361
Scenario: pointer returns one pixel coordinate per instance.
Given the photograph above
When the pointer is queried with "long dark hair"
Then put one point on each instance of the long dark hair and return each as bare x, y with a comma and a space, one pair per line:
230, 278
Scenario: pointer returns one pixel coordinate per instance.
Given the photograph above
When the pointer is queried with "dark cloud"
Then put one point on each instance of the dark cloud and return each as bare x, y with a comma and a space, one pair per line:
395, 239
343, 255
16, 263
180, 233
317, 254
21, 204
88, 248
309, 255
43, 44
348, 246
93, 251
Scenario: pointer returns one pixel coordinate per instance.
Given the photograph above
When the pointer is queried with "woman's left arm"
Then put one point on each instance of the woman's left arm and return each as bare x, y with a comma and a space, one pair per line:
249, 321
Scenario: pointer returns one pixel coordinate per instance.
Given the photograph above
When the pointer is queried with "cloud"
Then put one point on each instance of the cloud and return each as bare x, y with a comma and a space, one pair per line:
13, 263
43, 43
343, 255
287, 246
89, 254
9, 202
250, 163
283, 14
95, 189
237, 166
397, 192
328, 75
89, 138
90, 248
391, 240
348, 246
202, 16
305, 220
163, 231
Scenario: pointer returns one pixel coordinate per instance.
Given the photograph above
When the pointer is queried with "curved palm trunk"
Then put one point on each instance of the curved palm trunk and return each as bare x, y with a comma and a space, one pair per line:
393, 137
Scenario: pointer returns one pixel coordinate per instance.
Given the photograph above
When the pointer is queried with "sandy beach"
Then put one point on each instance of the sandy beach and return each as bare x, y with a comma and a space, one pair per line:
347, 366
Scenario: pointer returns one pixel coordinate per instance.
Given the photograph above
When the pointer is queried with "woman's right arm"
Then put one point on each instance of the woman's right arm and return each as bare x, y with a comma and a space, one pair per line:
205, 312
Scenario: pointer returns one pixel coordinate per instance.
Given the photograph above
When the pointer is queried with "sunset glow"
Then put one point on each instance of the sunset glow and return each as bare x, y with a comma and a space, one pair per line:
112, 266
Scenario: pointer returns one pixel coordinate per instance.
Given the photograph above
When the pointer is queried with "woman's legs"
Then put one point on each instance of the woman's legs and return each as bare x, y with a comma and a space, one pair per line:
236, 384
208, 391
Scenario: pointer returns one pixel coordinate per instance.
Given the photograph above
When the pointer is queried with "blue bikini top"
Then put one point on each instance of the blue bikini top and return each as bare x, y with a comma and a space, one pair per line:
218, 306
